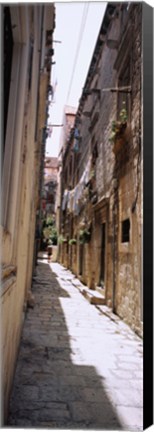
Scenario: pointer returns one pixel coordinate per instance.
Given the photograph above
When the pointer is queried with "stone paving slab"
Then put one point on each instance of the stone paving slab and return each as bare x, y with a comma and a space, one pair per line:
77, 367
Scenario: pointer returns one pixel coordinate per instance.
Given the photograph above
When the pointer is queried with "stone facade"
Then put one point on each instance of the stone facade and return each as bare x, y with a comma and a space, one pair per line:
50, 185
104, 195
28, 33
68, 124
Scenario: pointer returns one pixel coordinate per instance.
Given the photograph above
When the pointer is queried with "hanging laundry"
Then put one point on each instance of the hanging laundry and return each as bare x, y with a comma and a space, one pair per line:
76, 133
76, 146
88, 171
65, 199
54, 90
50, 90
75, 197
71, 200
49, 132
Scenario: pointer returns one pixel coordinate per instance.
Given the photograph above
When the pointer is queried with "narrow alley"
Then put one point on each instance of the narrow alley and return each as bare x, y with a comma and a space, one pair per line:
77, 367
76, 285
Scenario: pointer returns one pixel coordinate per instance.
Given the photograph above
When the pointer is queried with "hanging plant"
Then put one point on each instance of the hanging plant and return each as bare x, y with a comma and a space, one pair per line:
61, 239
118, 127
92, 173
72, 241
84, 236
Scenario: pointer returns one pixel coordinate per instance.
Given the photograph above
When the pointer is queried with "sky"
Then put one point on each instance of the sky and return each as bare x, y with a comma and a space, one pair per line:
77, 28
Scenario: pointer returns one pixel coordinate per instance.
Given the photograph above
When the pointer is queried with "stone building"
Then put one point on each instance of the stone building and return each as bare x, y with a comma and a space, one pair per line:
101, 203
50, 184
68, 125
28, 31
50, 169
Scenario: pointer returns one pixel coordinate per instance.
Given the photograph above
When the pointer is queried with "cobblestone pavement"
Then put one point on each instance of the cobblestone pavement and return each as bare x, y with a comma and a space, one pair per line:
77, 368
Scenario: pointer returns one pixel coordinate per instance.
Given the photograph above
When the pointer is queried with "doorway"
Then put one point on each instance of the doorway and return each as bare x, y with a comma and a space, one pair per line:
81, 258
102, 258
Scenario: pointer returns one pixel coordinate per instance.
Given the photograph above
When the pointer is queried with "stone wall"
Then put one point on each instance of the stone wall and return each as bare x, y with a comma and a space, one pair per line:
21, 171
128, 173
117, 174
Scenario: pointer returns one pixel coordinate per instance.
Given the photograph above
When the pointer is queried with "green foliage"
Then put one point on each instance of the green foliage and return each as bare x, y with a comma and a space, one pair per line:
118, 126
123, 114
44, 223
54, 235
50, 221
92, 173
61, 239
49, 230
84, 236
50, 242
72, 241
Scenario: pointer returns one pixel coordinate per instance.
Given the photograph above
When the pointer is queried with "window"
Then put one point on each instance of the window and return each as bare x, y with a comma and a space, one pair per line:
125, 231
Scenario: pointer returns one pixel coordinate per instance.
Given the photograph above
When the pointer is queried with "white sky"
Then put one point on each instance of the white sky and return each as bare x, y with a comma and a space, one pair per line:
69, 17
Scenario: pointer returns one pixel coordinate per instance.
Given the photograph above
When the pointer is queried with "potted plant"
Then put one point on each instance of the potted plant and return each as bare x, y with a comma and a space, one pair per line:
118, 130
61, 239
72, 241
84, 236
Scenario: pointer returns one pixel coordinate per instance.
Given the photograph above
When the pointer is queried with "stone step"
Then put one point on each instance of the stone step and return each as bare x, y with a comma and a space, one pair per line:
100, 290
93, 296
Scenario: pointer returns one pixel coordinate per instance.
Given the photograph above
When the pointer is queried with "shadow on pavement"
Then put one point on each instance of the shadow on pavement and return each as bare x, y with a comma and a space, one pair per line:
49, 390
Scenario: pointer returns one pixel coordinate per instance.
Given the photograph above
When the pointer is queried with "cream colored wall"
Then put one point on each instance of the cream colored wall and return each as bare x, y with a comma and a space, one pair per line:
21, 189
8, 333
13, 296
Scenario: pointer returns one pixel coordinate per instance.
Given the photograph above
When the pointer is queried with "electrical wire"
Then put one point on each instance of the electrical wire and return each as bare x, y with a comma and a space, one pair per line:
82, 27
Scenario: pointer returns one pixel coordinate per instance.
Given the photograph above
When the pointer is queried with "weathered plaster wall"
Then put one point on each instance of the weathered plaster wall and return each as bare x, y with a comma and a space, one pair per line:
18, 228
117, 177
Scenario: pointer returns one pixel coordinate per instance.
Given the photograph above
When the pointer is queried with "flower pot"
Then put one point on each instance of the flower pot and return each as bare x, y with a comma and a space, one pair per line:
118, 144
